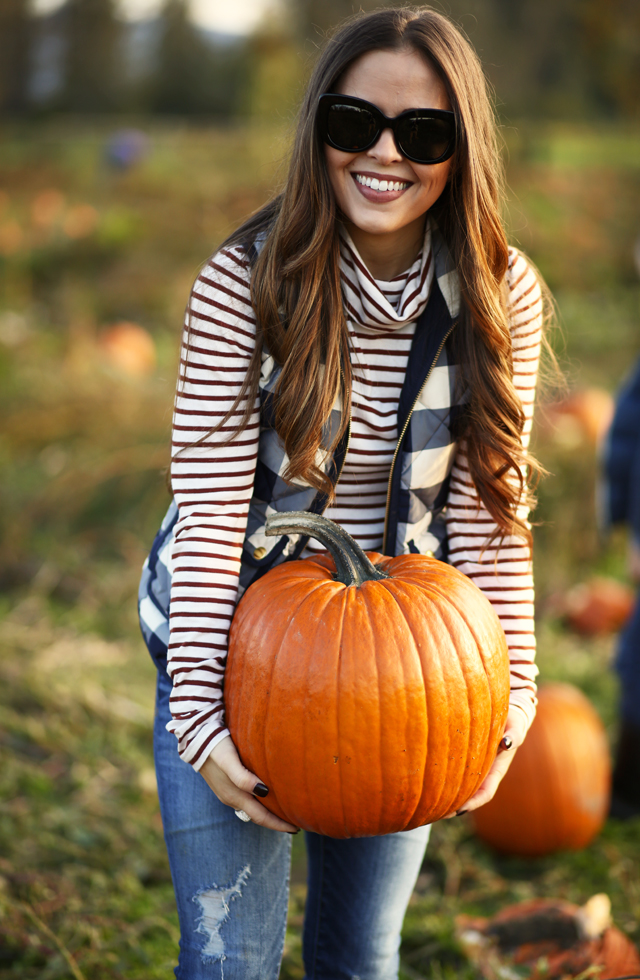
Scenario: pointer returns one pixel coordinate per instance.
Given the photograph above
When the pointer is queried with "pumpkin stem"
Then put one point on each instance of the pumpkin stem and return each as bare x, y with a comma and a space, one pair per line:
352, 565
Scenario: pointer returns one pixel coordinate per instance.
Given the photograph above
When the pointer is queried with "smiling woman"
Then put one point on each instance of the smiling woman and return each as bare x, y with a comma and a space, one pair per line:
388, 237
365, 346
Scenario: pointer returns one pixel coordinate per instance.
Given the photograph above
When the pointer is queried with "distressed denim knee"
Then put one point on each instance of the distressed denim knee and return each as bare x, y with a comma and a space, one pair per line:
214, 903
231, 879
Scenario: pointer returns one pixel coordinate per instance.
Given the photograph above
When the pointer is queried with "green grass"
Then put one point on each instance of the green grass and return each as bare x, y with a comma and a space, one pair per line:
84, 881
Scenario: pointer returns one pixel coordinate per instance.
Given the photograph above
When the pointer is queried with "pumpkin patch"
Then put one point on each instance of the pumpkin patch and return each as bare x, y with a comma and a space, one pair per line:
555, 795
368, 693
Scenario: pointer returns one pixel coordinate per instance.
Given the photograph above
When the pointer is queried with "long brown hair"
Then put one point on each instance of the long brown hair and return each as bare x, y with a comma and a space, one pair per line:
295, 283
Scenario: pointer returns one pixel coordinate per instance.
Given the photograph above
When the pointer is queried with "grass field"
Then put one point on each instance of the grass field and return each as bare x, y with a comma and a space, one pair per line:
84, 886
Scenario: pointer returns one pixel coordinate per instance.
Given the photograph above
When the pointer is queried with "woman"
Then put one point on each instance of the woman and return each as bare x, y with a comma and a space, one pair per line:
365, 346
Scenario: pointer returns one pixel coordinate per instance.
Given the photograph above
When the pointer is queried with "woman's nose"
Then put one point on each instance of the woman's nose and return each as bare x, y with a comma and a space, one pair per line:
385, 149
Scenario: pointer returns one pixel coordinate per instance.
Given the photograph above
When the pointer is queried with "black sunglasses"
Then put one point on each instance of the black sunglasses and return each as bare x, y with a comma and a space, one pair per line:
353, 125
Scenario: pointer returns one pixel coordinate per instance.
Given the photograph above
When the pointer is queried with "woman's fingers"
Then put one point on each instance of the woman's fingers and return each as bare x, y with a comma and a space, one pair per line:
234, 786
225, 755
257, 813
492, 781
513, 737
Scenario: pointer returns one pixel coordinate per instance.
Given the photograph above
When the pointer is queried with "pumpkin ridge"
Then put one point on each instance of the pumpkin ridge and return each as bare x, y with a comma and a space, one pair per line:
438, 611
311, 797
403, 585
437, 802
462, 613
404, 677
452, 610
362, 777
388, 583
339, 671
468, 675
380, 650
401, 662
240, 684
455, 612
306, 596
240, 624
380, 738
492, 705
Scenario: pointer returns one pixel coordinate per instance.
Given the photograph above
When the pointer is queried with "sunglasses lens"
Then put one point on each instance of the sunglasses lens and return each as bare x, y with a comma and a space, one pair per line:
423, 137
350, 128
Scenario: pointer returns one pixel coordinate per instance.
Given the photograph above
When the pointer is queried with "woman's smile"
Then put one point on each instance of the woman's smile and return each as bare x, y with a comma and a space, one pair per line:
380, 188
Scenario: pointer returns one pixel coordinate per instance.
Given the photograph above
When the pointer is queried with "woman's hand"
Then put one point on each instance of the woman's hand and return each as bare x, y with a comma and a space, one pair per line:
234, 786
514, 733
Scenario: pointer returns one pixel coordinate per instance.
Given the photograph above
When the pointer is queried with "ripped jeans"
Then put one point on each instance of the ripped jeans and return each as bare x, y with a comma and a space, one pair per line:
231, 881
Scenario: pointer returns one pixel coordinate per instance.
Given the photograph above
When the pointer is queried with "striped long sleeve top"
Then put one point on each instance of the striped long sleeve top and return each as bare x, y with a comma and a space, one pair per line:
213, 483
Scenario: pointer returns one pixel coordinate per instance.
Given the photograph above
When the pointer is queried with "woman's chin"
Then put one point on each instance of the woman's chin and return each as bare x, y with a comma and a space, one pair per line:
378, 222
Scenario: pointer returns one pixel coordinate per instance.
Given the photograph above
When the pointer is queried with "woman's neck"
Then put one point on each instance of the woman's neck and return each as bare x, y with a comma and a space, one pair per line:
386, 256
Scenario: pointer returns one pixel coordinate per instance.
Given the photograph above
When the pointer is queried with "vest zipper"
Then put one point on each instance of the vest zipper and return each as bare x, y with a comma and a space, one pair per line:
402, 435
346, 448
306, 538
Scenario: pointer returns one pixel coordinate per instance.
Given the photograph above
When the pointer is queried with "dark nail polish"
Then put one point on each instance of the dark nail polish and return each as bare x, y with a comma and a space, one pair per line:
260, 790
459, 813
506, 742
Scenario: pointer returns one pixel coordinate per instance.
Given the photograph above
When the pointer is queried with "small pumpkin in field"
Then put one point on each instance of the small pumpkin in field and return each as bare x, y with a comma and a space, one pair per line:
583, 416
555, 795
601, 605
368, 693
129, 348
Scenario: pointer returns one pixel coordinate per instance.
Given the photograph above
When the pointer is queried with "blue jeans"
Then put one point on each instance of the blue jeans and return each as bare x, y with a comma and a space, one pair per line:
231, 881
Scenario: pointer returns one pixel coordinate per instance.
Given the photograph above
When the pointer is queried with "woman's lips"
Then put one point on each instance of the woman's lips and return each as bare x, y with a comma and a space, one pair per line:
378, 196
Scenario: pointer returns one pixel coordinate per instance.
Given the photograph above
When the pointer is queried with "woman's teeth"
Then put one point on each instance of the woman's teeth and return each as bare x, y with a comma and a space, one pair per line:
381, 185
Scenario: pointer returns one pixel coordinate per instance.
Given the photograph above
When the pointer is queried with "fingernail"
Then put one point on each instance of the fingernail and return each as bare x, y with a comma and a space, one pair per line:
294, 832
460, 812
506, 742
260, 790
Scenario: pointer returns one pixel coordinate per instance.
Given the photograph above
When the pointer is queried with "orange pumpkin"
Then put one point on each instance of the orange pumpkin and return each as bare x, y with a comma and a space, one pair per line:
368, 693
583, 416
601, 605
129, 348
555, 795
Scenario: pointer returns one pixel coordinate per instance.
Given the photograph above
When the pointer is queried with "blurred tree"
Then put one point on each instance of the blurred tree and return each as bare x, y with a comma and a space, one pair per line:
15, 42
193, 75
611, 45
549, 58
275, 80
92, 36
316, 17
531, 52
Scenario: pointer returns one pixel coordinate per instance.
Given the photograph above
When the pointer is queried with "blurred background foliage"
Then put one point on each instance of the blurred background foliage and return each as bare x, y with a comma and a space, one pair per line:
577, 59
128, 150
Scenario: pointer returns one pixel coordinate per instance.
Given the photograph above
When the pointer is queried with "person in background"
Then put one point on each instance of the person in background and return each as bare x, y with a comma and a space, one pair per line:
621, 499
